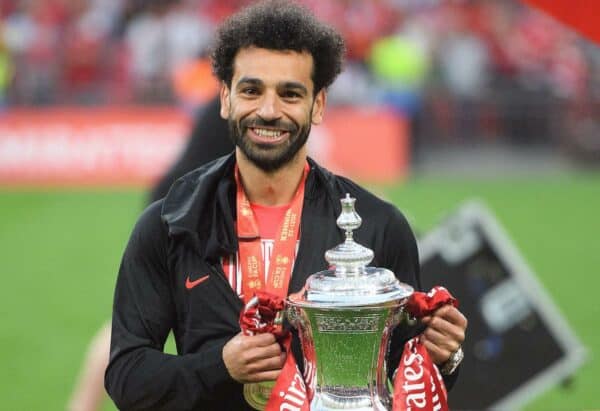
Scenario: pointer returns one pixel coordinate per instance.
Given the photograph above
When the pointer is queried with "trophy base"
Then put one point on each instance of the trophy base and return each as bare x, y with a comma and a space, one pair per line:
330, 402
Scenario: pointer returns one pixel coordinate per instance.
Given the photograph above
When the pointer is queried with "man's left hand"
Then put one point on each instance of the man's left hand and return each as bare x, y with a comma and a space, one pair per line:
444, 334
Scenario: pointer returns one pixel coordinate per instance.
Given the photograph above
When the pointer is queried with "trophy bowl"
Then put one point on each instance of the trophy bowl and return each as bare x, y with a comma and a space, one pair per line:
344, 319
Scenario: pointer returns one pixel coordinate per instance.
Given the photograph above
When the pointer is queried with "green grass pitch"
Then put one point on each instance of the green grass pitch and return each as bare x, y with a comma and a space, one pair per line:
60, 252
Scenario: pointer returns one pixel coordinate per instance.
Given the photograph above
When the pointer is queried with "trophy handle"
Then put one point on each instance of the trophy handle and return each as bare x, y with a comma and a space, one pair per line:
291, 313
408, 319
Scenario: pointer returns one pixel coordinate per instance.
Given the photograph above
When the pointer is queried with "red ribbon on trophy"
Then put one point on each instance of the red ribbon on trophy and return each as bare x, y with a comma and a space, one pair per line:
418, 383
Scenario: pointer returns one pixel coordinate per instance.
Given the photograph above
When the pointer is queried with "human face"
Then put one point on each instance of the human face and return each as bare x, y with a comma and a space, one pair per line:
271, 105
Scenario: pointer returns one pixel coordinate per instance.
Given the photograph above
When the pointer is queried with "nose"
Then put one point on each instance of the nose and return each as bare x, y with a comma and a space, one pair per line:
269, 108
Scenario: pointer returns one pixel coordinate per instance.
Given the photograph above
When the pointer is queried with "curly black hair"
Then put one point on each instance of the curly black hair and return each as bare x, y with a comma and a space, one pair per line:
279, 25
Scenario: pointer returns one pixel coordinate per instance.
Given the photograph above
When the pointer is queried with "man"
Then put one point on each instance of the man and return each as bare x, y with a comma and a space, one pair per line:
182, 268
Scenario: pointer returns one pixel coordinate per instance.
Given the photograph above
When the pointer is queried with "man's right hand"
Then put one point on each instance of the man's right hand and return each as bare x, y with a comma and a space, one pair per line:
253, 358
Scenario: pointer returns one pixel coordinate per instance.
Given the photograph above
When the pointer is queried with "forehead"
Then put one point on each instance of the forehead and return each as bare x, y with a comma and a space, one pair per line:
273, 66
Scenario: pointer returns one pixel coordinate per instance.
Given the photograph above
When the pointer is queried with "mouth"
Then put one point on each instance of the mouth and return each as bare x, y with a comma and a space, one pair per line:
263, 135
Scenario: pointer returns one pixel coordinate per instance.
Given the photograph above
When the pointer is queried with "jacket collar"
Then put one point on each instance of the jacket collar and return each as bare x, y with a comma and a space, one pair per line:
201, 204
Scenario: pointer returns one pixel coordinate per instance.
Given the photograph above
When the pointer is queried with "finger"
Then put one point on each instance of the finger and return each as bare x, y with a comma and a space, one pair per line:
258, 353
263, 376
248, 342
447, 329
262, 340
442, 341
265, 364
438, 355
452, 315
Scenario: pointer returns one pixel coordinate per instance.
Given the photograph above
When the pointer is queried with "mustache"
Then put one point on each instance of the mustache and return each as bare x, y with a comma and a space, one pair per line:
259, 122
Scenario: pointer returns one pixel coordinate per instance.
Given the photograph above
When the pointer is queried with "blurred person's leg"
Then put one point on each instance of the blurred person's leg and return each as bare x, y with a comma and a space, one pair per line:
89, 393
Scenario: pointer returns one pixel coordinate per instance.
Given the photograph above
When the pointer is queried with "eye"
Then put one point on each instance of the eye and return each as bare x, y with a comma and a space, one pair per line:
291, 95
250, 91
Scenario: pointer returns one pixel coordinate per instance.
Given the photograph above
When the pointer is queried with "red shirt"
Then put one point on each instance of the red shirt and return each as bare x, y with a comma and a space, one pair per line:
268, 220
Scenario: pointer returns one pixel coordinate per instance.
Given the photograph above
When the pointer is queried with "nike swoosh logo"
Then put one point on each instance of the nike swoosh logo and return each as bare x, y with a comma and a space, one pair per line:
191, 284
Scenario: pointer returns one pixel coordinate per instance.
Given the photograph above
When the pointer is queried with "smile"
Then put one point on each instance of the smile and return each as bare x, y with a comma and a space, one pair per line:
267, 136
267, 133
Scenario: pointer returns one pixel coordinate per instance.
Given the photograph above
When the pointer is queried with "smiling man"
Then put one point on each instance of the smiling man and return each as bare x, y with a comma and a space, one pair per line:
197, 256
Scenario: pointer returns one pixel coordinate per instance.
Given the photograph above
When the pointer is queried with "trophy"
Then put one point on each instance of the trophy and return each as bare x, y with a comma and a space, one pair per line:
345, 319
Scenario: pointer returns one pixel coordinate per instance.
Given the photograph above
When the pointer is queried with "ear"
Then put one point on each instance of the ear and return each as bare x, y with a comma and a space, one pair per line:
224, 96
318, 108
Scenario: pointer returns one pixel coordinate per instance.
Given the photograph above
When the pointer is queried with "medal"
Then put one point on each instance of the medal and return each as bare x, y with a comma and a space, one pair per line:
257, 394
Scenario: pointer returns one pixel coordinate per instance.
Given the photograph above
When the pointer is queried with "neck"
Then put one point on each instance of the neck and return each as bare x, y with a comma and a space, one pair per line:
271, 188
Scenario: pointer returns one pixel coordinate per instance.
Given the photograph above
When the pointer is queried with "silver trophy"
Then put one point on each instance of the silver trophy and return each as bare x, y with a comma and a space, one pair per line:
345, 319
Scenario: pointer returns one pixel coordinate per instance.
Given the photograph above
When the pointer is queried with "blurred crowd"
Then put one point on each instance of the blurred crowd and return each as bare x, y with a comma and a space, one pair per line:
464, 64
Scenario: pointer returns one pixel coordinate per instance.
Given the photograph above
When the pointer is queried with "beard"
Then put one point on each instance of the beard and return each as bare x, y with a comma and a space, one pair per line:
269, 157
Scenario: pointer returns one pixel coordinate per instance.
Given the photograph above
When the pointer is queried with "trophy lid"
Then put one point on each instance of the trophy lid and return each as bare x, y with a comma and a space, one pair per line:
351, 282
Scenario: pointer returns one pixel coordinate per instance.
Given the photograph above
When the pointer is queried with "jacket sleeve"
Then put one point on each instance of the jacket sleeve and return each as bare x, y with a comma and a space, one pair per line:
140, 376
401, 255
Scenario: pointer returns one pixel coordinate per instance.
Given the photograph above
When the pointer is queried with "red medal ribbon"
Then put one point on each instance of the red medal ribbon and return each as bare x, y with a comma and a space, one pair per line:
259, 316
418, 384
284, 248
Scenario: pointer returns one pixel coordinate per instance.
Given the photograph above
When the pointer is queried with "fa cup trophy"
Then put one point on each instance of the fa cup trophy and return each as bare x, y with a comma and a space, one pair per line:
345, 319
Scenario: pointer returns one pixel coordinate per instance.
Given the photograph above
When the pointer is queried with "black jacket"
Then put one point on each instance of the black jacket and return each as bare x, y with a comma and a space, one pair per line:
185, 234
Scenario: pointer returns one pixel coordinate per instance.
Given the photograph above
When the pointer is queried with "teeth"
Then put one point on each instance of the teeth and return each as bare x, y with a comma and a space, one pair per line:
267, 133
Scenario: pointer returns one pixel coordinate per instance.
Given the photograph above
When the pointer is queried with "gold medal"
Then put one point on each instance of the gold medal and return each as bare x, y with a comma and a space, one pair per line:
257, 394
